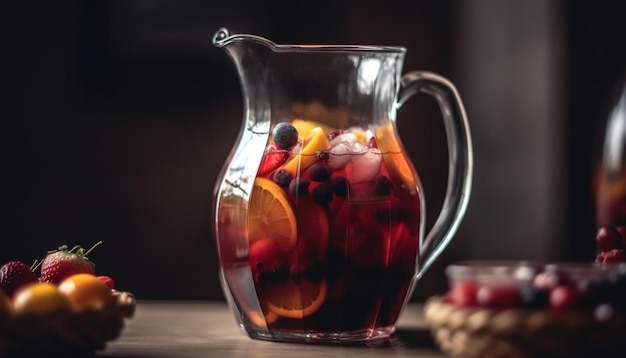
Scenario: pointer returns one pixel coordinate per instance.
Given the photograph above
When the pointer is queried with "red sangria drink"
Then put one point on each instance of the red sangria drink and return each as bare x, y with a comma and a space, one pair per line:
319, 214
333, 232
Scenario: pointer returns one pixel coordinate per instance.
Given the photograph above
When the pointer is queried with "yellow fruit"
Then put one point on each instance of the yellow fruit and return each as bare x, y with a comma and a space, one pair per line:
394, 159
85, 291
305, 128
40, 298
271, 215
296, 300
315, 143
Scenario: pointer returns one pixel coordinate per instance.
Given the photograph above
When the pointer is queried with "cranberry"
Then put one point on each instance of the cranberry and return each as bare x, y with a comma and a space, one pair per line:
372, 143
498, 297
563, 297
463, 294
608, 238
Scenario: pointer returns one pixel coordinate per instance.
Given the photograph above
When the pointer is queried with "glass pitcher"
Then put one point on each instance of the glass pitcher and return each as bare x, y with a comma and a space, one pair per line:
319, 213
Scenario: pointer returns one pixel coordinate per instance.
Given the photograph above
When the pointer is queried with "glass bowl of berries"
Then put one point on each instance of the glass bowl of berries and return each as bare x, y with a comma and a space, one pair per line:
530, 309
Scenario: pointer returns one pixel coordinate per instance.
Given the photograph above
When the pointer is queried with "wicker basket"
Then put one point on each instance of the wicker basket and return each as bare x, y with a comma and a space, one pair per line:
66, 334
484, 333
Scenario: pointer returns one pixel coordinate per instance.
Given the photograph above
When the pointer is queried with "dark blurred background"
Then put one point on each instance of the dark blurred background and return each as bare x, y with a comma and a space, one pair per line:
117, 116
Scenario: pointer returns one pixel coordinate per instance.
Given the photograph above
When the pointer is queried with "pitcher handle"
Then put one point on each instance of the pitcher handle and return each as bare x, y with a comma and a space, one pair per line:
460, 153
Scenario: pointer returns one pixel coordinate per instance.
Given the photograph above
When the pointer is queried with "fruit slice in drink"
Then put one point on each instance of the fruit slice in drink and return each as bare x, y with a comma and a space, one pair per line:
305, 128
271, 215
296, 299
394, 161
315, 143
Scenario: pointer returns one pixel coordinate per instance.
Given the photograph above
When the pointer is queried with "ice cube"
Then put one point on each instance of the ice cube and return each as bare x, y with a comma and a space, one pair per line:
364, 166
338, 156
348, 138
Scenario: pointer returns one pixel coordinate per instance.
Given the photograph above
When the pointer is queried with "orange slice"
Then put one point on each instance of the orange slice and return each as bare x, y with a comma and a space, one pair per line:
316, 142
270, 215
260, 319
296, 300
394, 159
305, 128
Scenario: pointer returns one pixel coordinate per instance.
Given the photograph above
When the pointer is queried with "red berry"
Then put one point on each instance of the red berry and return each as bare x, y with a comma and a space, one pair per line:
563, 298
272, 159
15, 274
611, 256
463, 294
108, 280
498, 297
334, 134
62, 263
372, 143
608, 238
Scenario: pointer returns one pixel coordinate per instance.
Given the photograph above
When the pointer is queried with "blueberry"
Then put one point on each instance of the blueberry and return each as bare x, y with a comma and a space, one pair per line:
533, 297
340, 186
592, 293
323, 156
319, 172
299, 186
282, 178
322, 194
382, 185
285, 135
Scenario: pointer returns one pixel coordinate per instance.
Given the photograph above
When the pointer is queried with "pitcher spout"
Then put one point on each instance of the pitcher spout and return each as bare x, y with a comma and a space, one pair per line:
224, 37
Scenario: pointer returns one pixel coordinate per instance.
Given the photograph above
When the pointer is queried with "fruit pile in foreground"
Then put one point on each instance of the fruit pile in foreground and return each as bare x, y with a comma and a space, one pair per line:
67, 309
611, 242
68, 282
600, 290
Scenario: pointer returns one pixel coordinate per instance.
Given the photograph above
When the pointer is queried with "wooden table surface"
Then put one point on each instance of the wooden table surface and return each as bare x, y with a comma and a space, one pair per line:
208, 329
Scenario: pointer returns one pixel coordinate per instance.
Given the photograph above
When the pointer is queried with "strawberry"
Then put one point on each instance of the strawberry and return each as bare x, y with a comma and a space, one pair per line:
15, 274
62, 263
273, 157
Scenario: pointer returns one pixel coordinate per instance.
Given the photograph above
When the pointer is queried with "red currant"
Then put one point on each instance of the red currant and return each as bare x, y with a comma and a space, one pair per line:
563, 298
463, 294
